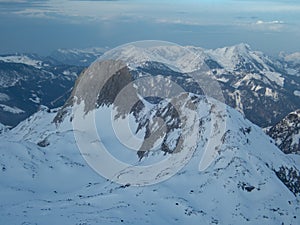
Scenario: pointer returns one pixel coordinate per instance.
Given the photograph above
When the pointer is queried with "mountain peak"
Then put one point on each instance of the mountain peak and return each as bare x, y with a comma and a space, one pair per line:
221, 157
242, 47
239, 49
293, 58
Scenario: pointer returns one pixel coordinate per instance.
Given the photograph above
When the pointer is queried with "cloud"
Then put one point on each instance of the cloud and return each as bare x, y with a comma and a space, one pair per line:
179, 22
274, 25
261, 22
9, 6
37, 13
267, 6
192, 13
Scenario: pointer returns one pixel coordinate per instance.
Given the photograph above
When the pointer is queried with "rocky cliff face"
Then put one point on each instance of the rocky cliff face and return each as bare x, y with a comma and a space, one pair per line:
98, 86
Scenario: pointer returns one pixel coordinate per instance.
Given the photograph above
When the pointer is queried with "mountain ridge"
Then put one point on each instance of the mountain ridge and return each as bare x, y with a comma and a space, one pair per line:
246, 76
40, 160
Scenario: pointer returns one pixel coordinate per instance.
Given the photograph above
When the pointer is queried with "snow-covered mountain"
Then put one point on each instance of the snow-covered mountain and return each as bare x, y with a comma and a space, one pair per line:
292, 62
286, 133
253, 83
27, 59
79, 57
243, 179
258, 86
29, 81
262, 88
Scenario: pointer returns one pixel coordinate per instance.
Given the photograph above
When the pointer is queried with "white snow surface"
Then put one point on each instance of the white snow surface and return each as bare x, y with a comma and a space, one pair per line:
21, 59
275, 77
54, 185
14, 110
297, 93
4, 97
228, 57
76, 51
271, 93
294, 57
184, 59
296, 139
232, 59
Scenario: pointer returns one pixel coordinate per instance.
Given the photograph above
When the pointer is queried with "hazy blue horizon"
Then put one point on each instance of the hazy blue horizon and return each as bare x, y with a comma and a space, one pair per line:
36, 26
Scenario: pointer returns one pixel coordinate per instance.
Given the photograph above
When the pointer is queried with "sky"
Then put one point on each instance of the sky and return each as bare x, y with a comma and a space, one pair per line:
36, 26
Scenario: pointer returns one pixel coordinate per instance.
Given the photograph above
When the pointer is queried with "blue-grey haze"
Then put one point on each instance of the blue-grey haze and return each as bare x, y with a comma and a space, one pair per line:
42, 26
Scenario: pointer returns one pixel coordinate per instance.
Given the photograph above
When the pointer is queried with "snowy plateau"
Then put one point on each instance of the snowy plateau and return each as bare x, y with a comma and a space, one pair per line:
244, 177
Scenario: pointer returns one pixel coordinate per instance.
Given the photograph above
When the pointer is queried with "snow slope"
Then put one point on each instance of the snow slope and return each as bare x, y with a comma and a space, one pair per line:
23, 59
45, 180
223, 168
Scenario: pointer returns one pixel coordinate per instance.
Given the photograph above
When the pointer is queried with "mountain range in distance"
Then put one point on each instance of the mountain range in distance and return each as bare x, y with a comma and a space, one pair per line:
262, 88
